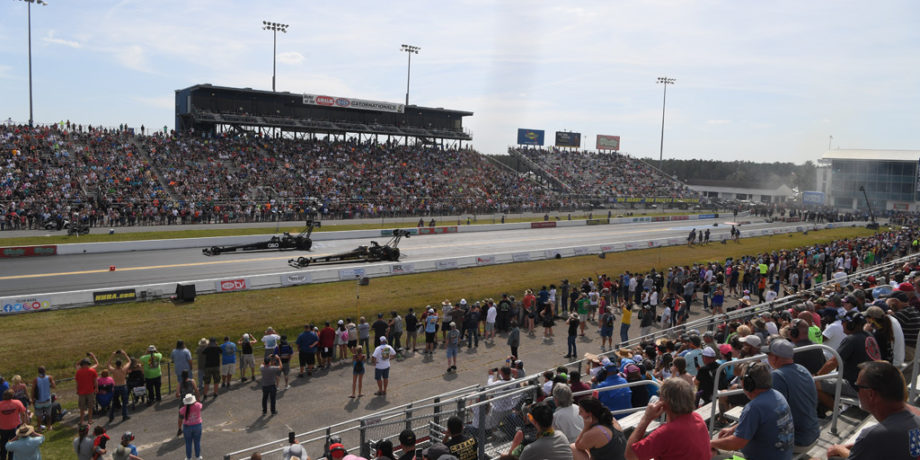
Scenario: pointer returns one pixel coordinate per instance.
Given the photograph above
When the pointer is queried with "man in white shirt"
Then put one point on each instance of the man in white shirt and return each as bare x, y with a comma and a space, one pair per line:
491, 316
565, 417
381, 360
833, 335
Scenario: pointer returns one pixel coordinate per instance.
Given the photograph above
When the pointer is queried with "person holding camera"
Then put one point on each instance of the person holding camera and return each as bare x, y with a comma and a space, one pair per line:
294, 449
119, 371
270, 369
545, 443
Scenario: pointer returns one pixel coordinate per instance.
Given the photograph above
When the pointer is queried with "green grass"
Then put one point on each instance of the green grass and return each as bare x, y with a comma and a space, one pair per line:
65, 336
61, 237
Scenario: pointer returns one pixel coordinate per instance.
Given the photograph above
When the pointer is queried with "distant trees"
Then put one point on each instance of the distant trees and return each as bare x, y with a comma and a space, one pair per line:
746, 173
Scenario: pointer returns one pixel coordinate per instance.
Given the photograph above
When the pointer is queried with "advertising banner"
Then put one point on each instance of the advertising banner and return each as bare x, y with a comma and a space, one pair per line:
351, 103
530, 136
485, 260
542, 225
605, 142
581, 251
447, 264
435, 230
813, 198
567, 139
115, 295
603, 221
28, 251
293, 279
520, 256
238, 284
553, 253
351, 273
633, 199
402, 269
25, 305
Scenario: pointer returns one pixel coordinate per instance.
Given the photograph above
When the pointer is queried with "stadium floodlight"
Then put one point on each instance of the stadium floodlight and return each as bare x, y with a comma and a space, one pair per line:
410, 50
275, 27
29, 16
664, 81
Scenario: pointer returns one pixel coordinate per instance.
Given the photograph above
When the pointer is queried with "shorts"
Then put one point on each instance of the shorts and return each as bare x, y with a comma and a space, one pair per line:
326, 352
606, 332
227, 369
490, 327
352, 343
429, 337
380, 374
451, 352
583, 317
43, 409
248, 361
211, 374
286, 366
307, 358
87, 402
846, 390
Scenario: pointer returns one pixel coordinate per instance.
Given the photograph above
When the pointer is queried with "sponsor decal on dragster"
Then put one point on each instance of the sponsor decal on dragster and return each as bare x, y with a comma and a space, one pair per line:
400, 269
293, 279
520, 256
542, 225
238, 284
28, 251
436, 230
485, 260
25, 305
351, 273
116, 295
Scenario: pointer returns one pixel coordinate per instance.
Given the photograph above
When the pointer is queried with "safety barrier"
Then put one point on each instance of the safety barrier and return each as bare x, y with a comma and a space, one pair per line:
87, 297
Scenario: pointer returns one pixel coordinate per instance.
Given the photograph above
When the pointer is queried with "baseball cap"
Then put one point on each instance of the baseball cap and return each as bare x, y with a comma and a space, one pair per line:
709, 352
151, 348
407, 438
435, 451
751, 340
341, 322
905, 287
779, 347
383, 340
875, 312
725, 349
462, 301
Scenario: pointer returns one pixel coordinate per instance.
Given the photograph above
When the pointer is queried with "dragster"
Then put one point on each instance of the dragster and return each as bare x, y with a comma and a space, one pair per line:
373, 253
285, 242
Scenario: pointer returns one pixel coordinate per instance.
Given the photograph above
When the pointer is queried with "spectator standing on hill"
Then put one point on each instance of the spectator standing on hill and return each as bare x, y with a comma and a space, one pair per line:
491, 318
202, 365
396, 325
357, 371
327, 345
271, 369
453, 346
411, 331
190, 425
572, 325
182, 361
514, 338
364, 333
228, 361
82, 444
87, 381
25, 445
247, 360
212, 358
381, 359
307, 342
42, 386
431, 330
12, 414
270, 340
285, 352
119, 371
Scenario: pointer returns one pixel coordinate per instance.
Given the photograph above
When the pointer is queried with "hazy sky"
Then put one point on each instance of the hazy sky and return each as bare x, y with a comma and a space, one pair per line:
759, 81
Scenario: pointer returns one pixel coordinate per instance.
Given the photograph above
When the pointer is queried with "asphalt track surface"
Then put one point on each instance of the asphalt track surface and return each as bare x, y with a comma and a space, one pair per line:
91, 271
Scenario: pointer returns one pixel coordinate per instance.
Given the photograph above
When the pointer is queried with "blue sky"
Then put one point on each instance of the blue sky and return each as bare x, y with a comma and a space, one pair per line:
758, 81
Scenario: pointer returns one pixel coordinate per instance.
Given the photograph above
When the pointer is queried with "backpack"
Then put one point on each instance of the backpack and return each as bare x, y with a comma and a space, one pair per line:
608, 320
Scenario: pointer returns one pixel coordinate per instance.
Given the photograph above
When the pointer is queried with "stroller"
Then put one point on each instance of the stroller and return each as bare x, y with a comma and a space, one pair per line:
136, 385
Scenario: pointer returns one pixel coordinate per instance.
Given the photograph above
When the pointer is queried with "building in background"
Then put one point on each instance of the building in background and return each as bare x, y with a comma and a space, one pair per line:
721, 190
888, 176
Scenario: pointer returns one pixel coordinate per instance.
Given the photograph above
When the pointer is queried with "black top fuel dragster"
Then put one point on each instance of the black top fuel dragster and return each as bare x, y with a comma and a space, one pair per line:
373, 253
285, 242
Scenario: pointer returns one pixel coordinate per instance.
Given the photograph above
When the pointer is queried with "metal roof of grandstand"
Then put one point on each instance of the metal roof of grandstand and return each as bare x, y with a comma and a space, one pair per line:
282, 93
870, 154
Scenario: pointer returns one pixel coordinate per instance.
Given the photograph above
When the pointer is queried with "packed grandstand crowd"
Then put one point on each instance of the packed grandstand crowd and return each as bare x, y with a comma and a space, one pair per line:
828, 306
112, 177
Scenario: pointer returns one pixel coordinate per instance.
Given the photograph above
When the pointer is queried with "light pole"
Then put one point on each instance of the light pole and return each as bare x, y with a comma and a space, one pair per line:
29, 15
664, 81
410, 50
275, 28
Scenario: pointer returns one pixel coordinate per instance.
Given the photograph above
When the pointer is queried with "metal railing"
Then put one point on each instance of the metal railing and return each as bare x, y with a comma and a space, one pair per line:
838, 373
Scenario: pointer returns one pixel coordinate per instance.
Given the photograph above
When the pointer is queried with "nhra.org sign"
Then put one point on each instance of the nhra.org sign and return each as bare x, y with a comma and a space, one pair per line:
350, 103
25, 305
117, 295
293, 279
231, 285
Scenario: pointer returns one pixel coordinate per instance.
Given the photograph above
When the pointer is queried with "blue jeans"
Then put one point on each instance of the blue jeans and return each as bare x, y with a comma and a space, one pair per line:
269, 392
192, 434
121, 391
472, 334
571, 342
624, 332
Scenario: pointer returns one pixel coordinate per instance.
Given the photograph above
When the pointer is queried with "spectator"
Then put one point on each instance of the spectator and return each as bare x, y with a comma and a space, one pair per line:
384, 450
126, 450
706, 376
42, 386
601, 438
396, 326
572, 323
381, 360
380, 328
271, 370
12, 415
25, 444
514, 338
578, 386
294, 450
549, 444
431, 330
460, 445
187, 384
327, 345
307, 342
411, 331
882, 392
765, 429
407, 444
212, 359
82, 444
357, 372
857, 347
247, 360
677, 402
152, 373
100, 443
887, 333
119, 371
202, 365
87, 379
284, 351
796, 385
182, 361
364, 333
810, 359
190, 425
453, 345
270, 340
227, 361
565, 417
